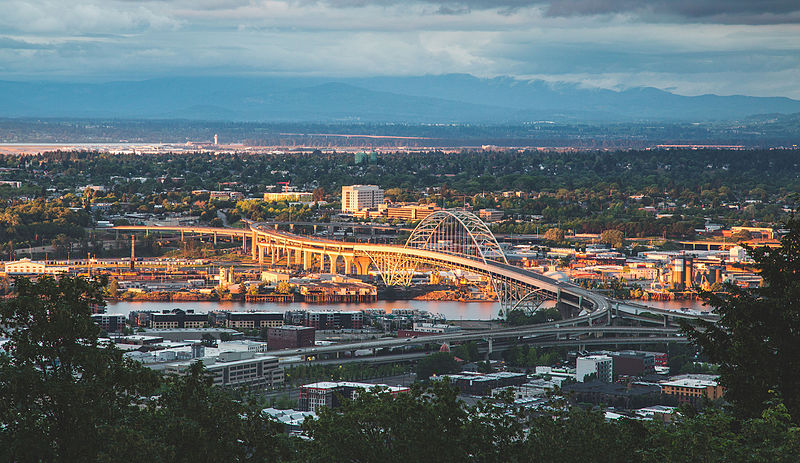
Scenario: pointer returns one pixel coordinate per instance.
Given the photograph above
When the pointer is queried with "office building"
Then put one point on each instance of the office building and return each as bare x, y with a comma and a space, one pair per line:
357, 197
692, 388
599, 365
410, 211
491, 215
290, 337
632, 363
238, 369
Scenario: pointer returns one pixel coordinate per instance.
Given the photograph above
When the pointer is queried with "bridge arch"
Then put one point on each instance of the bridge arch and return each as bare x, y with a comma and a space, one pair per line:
457, 232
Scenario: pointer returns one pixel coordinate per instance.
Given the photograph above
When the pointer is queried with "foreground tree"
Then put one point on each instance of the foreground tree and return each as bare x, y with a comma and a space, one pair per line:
757, 339
59, 392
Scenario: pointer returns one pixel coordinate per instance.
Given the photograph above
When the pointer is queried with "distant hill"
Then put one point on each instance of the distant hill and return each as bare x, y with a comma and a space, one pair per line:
425, 99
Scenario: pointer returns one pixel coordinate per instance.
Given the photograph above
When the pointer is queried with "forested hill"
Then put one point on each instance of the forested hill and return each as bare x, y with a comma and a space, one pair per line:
428, 99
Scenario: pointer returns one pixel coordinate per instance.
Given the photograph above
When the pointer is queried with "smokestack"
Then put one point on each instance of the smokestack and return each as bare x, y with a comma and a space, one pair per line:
133, 252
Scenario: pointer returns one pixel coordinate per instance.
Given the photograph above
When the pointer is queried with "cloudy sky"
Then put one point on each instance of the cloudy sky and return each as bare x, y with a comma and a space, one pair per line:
690, 47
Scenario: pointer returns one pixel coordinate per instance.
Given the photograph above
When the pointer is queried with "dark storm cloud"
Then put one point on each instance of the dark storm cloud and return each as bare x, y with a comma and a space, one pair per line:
716, 11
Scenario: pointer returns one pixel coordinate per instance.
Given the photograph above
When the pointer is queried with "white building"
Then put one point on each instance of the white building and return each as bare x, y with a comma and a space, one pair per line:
26, 266
357, 197
238, 369
599, 365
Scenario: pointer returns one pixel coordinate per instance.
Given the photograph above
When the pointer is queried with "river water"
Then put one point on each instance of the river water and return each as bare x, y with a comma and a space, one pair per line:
451, 310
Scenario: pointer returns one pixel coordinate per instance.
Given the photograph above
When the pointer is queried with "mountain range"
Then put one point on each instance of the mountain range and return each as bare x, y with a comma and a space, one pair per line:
451, 98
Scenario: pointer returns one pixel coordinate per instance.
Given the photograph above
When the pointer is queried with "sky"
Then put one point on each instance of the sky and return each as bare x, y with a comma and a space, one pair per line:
689, 47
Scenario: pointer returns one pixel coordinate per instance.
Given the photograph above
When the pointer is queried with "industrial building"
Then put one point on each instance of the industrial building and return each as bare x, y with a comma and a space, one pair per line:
26, 266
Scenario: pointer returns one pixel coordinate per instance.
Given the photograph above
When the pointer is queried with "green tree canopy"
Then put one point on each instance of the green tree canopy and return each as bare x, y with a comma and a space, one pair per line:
58, 389
757, 339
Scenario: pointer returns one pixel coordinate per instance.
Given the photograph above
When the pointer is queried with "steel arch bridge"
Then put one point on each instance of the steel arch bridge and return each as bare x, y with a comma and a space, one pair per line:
459, 233
450, 239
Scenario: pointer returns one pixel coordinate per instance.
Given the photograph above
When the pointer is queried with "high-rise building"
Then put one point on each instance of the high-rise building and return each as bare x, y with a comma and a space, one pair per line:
358, 197
599, 365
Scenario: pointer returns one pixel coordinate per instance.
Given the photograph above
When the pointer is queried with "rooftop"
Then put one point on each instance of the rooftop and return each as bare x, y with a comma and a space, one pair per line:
367, 386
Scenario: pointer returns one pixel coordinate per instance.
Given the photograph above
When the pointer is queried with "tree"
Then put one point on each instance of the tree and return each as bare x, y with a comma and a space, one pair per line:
113, 288
741, 235
757, 339
438, 363
554, 234
199, 422
411, 427
57, 388
613, 238
283, 288
318, 194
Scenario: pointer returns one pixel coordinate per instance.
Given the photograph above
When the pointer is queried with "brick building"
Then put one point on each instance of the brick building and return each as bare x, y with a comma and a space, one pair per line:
290, 337
334, 320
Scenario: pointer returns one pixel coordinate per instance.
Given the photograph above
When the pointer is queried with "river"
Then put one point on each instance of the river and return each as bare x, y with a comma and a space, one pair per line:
451, 310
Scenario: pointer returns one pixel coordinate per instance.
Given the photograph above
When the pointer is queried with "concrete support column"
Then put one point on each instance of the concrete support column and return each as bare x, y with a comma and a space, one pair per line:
261, 254
347, 265
362, 265
334, 259
273, 254
215, 238
254, 246
306, 260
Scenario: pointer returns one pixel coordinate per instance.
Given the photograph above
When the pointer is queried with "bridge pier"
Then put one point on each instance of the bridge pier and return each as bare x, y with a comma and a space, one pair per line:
306, 260
334, 261
261, 255
358, 266
254, 246
490, 342
347, 265
215, 238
